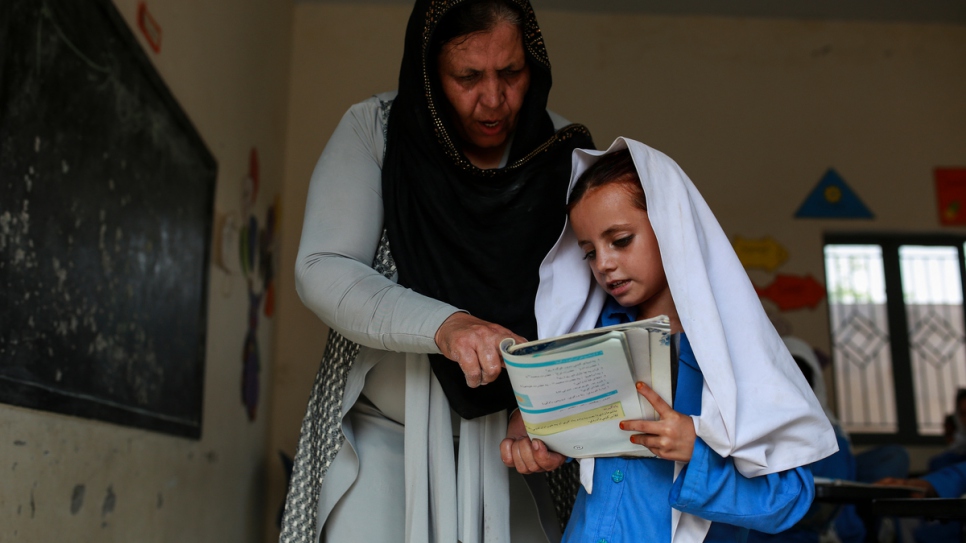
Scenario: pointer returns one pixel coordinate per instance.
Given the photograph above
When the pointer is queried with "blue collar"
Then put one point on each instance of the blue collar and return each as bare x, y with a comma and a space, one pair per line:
614, 313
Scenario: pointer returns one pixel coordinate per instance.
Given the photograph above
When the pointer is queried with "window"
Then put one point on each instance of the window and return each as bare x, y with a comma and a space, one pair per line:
898, 333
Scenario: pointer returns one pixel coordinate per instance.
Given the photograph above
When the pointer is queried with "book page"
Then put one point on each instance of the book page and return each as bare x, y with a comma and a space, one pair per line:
574, 400
656, 323
639, 341
661, 366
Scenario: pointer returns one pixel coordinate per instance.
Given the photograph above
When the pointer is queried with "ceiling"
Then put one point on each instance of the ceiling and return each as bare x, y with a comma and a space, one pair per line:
924, 11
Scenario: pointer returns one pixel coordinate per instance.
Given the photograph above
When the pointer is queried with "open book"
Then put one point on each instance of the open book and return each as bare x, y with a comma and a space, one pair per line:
574, 390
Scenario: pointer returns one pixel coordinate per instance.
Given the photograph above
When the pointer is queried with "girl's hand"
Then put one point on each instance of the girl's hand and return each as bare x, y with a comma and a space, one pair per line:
518, 451
474, 344
670, 438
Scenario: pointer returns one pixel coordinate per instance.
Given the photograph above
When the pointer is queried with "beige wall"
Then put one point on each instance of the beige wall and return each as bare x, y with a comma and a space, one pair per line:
755, 110
227, 64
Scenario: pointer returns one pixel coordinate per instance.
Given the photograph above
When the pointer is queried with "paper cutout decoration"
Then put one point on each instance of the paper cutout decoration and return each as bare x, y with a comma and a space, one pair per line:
149, 27
226, 241
257, 249
251, 363
765, 253
951, 195
268, 246
250, 183
792, 292
832, 199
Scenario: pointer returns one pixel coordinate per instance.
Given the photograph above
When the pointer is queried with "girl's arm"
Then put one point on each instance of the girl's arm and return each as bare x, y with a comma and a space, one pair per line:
711, 487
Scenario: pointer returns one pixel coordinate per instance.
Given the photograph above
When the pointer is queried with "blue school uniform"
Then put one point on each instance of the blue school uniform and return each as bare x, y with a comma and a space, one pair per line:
633, 497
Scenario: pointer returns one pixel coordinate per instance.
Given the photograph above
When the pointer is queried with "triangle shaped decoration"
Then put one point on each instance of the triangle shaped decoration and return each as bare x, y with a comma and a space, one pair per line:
832, 199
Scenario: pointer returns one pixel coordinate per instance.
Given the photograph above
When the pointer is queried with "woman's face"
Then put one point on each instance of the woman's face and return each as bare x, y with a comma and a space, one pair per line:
485, 78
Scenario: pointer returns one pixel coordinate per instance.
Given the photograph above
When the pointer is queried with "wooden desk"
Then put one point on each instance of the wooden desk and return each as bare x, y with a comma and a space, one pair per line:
941, 509
930, 508
856, 493
862, 496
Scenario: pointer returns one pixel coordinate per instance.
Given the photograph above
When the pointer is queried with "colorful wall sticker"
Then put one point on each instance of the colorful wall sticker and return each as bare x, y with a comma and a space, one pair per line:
149, 27
251, 359
256, 255
764, 253
832, 199
951, 195
268, 252
226, 242
792, 292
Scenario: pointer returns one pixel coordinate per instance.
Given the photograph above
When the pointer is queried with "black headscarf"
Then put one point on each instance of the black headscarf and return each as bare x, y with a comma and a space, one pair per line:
473, 238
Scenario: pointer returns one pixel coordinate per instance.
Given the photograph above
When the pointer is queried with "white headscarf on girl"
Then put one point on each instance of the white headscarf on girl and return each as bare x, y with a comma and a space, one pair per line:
756, 406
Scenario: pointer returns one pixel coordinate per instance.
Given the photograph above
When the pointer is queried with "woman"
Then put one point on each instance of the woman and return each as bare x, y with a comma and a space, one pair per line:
463, 174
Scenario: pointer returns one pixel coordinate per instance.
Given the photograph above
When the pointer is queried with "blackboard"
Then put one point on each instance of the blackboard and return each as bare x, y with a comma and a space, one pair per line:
106, 196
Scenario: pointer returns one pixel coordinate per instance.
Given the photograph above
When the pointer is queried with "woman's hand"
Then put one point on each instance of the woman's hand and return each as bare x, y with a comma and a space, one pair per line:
926, 489
670, 438
474, 344
518, 451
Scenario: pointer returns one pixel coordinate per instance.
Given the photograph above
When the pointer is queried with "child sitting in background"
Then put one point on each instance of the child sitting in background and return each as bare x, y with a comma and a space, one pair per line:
955, 452
743, 419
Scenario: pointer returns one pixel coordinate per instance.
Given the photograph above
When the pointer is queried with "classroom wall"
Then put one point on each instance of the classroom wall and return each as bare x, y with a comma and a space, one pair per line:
70, 479
754, 110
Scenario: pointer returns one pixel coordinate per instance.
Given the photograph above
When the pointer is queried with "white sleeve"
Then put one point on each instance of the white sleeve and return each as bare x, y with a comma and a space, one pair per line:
340, 234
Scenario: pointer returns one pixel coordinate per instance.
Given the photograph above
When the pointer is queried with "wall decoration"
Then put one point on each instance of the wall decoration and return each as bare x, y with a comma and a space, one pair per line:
951, 195
251, 358
256, 252
764, 253
832, 199
269, 245
149, 27
249, 185
106, 203
792, 292
225, 246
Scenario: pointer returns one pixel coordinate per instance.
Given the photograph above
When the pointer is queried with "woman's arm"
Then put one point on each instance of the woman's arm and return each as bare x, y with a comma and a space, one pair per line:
341, 231
334, 277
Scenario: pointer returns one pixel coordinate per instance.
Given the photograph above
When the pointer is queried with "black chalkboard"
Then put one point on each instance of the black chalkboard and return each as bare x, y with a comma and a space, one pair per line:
106, 196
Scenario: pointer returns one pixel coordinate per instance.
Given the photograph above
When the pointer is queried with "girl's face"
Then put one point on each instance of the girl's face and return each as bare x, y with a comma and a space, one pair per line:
620, 246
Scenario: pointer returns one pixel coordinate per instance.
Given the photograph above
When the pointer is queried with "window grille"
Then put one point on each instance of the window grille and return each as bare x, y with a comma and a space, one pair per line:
898, 332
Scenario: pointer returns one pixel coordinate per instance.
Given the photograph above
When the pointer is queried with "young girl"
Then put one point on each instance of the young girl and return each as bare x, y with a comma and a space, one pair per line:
743, 419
